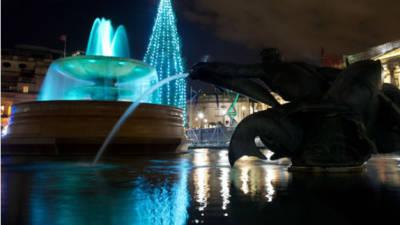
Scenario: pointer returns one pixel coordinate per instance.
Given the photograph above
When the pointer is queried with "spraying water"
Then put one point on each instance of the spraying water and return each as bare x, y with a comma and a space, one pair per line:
132, 108
105, 73
105, 41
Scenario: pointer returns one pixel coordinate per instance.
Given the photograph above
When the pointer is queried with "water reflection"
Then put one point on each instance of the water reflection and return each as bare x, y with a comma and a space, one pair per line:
213, 177
387, 172
256, 177
117, 196
244, 178
224, 178
201, 178
269, 187
161, 202
199, 187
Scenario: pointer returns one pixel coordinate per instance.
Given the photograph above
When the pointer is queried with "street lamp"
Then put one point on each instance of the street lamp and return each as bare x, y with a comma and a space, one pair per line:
200, 115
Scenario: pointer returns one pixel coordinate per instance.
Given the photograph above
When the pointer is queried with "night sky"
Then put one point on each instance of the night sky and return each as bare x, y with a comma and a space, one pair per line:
227, 30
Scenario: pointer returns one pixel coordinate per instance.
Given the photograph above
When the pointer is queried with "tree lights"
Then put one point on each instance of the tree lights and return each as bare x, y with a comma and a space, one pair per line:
164, 53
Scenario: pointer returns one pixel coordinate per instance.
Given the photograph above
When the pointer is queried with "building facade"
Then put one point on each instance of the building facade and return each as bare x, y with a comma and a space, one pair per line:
22, 72
207, 112
388, 54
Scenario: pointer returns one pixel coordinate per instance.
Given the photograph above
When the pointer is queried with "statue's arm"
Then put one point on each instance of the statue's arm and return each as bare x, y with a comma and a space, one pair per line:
235, 77
226, 70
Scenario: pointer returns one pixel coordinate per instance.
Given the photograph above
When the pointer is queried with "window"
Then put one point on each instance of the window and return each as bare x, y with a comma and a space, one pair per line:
22, 66
2, 109
25, 89
6, 64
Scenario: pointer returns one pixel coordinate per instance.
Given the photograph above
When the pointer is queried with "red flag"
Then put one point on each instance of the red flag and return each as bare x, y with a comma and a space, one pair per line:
63, 37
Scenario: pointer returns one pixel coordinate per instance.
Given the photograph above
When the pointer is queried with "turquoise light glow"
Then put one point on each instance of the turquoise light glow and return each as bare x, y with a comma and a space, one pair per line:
105, 73
105, 42
164, 53
232, 111
167, 203
69, 194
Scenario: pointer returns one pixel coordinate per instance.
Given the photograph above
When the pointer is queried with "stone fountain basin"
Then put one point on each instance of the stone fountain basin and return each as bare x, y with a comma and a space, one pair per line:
93, 68
80, 127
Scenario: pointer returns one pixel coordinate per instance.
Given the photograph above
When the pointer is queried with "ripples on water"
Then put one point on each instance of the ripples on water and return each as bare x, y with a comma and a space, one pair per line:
194, 188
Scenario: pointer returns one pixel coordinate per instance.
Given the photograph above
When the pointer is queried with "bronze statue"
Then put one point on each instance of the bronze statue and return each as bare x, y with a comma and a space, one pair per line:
334, 118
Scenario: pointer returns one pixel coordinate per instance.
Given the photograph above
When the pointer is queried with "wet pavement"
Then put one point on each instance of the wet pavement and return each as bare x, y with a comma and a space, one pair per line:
198, 187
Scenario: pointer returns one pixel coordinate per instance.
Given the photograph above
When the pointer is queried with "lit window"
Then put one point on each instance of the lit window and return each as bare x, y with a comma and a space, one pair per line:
2, 109
25, 89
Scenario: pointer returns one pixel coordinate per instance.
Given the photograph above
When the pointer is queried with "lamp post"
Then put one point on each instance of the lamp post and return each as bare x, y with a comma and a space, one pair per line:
201, 116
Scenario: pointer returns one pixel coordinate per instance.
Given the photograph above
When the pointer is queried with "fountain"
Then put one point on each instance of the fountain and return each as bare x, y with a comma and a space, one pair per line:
105, 73
82, 97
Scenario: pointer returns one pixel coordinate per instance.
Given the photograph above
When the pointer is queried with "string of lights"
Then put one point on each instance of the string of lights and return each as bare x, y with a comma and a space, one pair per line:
164, 53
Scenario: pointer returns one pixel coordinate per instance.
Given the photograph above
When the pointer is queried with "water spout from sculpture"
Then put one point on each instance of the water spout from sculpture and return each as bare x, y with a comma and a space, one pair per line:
129, 111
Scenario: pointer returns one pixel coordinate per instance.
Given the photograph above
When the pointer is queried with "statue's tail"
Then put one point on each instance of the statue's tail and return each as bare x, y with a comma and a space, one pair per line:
277, 132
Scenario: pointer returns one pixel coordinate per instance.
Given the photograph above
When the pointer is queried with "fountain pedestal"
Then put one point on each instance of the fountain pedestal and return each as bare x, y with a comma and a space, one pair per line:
80, 127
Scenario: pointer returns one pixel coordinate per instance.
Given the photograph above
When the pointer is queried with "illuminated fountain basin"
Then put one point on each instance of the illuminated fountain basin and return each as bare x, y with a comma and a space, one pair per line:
64, 124
98, 78
82, 97
80, 127
106, 72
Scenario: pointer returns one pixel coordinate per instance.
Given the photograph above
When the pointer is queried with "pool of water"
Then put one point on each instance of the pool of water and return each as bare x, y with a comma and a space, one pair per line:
198, 187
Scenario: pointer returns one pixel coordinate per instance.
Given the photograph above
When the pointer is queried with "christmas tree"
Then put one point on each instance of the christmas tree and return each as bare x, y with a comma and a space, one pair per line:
164, 53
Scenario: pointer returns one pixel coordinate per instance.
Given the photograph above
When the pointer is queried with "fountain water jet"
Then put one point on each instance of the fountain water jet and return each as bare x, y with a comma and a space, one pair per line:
83, 97
105, 73
104, 41
130, 110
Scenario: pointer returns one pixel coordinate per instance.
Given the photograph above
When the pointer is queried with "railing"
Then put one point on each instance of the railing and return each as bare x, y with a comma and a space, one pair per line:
210, 137
218, 137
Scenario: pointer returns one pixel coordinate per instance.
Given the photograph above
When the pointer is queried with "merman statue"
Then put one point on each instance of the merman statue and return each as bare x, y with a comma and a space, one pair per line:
333, 118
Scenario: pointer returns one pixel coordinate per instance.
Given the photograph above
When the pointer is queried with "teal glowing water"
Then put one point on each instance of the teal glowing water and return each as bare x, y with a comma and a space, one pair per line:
104, 41
98, 78
105, 73
198, 187
132, 108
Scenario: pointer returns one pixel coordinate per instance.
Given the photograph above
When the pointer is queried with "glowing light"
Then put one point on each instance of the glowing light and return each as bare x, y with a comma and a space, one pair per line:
268, 183
232, 111
268, 155
104, 41
169, 200
244, 177
245, 161
164, 53
147, 202
102, 74
201, 178
97, 78
200, 115
224, 179
4, 132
